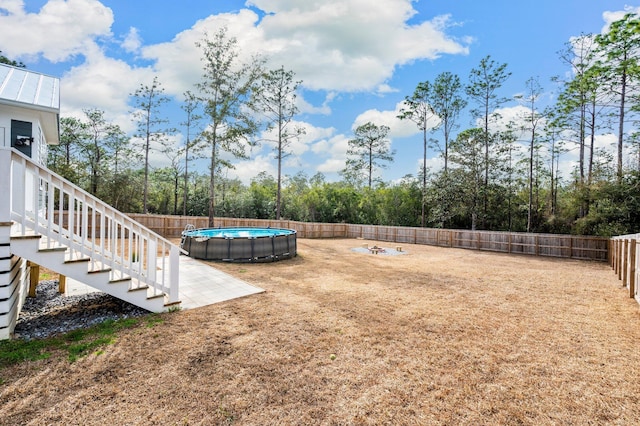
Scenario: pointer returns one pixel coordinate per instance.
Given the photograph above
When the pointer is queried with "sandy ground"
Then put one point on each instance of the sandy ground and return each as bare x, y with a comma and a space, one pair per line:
432, 336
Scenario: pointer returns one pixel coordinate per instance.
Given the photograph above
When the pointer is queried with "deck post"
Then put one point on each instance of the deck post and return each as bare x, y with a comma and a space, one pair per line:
62, 284
174, 274
34, 277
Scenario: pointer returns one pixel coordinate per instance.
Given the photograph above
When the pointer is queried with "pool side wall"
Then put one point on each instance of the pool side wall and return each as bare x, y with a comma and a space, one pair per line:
253, 249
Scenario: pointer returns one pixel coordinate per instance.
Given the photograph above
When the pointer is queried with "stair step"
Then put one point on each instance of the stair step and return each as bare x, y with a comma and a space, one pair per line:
80, 267
99, 271
26, 237
52, 249
176, 303
82, 259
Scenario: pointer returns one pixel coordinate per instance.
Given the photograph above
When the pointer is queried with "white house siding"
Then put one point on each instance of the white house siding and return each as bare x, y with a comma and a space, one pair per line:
34, 98
14, 285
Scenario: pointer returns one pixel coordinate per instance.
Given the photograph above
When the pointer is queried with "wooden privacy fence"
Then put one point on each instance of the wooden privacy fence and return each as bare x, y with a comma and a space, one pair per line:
624, 261
552, 245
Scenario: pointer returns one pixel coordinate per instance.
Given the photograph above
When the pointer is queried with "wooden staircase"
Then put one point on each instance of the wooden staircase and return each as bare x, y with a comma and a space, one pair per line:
48, 221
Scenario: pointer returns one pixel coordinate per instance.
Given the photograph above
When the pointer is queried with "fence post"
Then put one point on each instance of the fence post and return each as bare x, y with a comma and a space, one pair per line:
615, 256
570, 247
632, 269
625, 265
620, 259
609, 252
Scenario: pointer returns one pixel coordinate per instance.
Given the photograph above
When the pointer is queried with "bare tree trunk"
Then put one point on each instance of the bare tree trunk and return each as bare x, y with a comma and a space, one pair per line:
279, 193
424, 177
621, 122
212, 191
186, 178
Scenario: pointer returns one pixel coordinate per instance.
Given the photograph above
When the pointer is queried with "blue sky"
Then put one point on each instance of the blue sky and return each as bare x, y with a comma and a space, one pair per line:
357, 59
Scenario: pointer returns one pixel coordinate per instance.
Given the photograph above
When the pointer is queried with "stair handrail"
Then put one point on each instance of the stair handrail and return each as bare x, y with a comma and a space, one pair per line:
47, 204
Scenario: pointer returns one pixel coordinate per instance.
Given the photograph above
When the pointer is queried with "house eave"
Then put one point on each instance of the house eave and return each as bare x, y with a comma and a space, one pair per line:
50, 118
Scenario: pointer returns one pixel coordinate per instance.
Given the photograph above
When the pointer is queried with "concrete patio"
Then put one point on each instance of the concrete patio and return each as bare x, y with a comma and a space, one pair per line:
200, 285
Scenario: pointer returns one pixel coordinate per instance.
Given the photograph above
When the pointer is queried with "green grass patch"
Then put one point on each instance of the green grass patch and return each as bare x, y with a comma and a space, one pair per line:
79, 350
76, 343
46, 275
153, 319
15, 351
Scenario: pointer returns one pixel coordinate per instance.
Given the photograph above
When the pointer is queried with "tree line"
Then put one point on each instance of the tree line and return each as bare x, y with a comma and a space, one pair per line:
497, 174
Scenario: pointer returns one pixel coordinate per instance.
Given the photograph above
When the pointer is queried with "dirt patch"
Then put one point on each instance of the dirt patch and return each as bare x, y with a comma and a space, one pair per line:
434, 336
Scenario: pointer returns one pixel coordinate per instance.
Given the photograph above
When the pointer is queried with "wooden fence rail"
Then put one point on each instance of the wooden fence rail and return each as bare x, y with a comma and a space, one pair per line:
624, 261
552, 245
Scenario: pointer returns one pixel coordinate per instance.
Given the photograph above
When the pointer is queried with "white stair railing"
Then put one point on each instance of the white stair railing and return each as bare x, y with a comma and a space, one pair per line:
47, 204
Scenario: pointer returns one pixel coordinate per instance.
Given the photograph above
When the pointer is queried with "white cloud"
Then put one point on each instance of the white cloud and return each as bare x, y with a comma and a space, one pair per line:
178, 62
304, 107
60, 30
326, 43
398, 128
514, 115
103, 83
316, 143
246, 170
11, 7
332, 165
132, 41
332, 153
384, 89
611, 16
296, 146
161, 154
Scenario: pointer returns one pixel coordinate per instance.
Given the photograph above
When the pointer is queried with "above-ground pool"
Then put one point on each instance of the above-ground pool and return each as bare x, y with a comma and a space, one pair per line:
240, 244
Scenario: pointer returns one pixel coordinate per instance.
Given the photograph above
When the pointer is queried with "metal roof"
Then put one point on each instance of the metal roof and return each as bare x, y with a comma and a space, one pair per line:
18, 85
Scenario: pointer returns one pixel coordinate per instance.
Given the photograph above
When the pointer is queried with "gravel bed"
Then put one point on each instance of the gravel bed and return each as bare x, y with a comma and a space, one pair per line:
51, 313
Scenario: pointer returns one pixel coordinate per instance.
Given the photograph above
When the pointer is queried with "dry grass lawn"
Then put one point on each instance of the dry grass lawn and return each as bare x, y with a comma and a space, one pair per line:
434, 336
